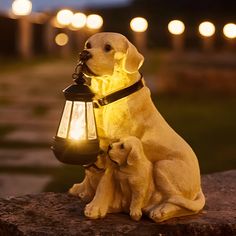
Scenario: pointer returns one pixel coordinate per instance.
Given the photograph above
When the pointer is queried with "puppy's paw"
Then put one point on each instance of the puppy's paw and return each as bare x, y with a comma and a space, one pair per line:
136, 214
94, 212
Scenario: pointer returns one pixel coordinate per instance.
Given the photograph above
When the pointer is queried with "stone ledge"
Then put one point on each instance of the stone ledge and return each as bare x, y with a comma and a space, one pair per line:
60, 214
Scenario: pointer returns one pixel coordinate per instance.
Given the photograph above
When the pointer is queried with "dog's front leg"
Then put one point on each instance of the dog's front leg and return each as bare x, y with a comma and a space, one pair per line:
83, 190
93, 174
137, 199
102, 200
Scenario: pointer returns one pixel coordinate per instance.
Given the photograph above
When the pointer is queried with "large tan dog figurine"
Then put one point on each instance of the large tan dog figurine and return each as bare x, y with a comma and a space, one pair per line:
163, 164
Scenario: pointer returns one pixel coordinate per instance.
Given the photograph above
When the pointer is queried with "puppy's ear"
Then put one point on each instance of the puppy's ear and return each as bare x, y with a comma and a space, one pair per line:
133, 156
133, 59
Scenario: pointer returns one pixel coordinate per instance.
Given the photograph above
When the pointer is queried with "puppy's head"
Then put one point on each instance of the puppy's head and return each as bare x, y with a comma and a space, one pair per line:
107, 50
126, 151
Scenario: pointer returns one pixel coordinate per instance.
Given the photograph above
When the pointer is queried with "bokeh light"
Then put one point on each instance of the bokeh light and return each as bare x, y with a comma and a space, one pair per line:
139, 24
94, 21
206, 29
64, 16
21, 7
176, 27
79, 20
55, 23
229, 30
61, 39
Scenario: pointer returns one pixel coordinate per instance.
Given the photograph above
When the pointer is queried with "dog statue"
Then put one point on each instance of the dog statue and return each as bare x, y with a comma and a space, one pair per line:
125, 109
133, 174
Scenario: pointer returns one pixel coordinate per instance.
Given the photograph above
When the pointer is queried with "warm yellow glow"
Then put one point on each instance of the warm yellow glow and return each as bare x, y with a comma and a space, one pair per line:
94, 21
21, 7
92, 134
139, 24
64, 17
176, 27
55, 23
206, 29
61, 39
229, 30
79, 20
78, 123
63, 127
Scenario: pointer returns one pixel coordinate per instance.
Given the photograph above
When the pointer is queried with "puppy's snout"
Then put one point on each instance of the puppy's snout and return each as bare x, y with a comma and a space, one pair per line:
109, 147
85, 55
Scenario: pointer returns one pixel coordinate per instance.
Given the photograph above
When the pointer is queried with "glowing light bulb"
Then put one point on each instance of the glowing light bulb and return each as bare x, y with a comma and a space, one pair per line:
94, 21
206, 29
139, 24
176, 27
61, 39
78, 125
229, 30
21, 7
63, 128
64, 17
79, 20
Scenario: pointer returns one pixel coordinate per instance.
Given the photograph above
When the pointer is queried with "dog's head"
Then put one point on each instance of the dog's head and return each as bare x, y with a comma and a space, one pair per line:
127, 150
105, 52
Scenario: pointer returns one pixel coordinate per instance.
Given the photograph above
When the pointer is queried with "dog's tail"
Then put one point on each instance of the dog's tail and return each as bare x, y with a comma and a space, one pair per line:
194, 205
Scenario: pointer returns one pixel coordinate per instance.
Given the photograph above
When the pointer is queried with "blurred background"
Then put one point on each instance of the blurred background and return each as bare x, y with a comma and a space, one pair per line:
190, 67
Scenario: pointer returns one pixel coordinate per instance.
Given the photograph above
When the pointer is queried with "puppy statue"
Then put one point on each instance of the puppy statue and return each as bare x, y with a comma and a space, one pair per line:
125, 108
132, 173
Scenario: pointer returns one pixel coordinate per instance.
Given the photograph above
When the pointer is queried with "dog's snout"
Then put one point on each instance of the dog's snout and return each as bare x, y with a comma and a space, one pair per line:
85, 55
109, 147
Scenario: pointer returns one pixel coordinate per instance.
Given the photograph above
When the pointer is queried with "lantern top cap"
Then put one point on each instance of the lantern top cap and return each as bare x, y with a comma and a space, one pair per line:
78, 91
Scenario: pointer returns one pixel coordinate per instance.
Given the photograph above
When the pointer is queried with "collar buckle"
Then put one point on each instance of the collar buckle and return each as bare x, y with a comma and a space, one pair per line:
103, 101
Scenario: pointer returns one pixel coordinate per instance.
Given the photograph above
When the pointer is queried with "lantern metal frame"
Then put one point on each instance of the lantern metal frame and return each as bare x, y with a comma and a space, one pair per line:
75, 151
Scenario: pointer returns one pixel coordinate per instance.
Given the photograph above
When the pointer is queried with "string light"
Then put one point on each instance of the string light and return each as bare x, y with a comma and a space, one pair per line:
139, 24
176, 27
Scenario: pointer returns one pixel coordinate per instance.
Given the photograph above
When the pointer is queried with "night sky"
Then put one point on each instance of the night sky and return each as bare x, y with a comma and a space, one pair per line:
40, 5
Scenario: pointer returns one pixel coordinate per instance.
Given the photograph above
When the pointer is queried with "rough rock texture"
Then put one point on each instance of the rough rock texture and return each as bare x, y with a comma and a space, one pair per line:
60, 214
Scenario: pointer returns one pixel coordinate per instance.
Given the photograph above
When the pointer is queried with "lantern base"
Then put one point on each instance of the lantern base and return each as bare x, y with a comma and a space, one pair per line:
75, 152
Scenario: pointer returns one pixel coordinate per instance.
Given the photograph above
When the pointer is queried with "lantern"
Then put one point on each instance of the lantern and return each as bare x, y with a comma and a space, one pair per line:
76, 141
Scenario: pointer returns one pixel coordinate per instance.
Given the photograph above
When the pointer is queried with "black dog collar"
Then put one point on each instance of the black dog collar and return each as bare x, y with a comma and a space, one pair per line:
119, 94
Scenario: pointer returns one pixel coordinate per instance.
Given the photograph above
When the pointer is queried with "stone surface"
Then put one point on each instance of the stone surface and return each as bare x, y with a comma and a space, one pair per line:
61, 214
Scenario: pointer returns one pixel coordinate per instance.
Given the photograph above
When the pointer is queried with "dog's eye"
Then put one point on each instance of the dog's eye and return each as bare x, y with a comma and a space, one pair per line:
107, 48
122, 146
88, 45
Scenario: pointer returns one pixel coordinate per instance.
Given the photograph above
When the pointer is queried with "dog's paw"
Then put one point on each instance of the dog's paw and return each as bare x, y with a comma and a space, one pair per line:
165, 212
78, 190
94, 212
136, 214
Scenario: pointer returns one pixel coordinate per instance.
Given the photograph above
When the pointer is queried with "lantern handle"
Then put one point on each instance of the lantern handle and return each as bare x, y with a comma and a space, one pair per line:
78, 76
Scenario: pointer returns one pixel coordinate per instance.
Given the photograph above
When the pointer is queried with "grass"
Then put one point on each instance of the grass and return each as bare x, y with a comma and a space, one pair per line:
207, 124
40, 110
5, 130
16, 64
4, 102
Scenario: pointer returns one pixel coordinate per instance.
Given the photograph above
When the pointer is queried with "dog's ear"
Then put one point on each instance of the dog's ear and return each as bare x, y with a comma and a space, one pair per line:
133, 156
133, 60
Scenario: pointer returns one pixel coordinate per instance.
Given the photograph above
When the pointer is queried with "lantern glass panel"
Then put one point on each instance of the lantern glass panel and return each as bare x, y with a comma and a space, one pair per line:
92, 134
63, 127
78, 123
